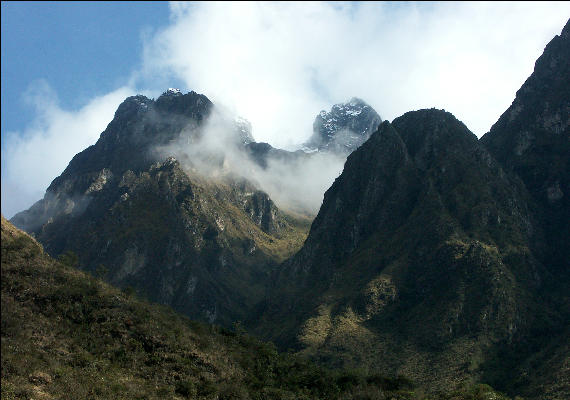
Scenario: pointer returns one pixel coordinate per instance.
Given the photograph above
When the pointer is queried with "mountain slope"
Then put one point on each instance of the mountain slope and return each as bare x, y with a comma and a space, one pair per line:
66, 334
203, 245
532, 139
419, 260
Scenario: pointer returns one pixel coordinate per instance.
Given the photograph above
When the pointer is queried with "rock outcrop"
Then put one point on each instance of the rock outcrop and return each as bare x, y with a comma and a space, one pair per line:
344, 128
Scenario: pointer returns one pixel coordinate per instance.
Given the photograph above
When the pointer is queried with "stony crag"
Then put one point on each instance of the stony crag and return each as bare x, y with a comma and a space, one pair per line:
344, 128
532, 139
340, 132
419, 260
203, 246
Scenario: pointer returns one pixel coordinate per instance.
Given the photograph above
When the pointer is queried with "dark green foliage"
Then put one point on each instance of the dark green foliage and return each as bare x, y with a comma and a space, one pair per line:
69, 258
129, 291
70, 335
186, 389
101, 271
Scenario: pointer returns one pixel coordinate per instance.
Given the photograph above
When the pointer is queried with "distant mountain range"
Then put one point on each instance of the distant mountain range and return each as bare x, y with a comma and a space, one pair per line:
434, 255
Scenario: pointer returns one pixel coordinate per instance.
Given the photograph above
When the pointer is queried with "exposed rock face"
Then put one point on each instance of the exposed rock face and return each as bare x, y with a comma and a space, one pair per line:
532, 139
203, 246
421, 261
344, 128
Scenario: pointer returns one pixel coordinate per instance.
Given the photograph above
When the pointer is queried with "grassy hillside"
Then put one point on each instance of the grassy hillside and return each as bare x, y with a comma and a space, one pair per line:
204, 247
68, 335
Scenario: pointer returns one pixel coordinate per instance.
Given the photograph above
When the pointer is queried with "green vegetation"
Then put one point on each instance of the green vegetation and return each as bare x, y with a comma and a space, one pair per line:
205, 247
68, 335
431, 271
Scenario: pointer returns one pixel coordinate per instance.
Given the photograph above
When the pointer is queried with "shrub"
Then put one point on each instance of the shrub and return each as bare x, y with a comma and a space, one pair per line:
69, 258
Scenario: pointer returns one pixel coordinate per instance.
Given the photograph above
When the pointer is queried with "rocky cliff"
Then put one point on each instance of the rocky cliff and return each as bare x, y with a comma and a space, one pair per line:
344, 128
532, 139
200, 244
442, 257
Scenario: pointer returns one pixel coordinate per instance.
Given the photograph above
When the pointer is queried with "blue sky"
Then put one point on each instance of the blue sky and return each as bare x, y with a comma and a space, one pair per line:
83, 49
67, 66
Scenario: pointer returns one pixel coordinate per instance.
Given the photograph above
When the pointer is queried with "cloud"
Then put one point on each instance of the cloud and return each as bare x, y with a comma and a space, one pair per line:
32, 158
296, 184
278, 64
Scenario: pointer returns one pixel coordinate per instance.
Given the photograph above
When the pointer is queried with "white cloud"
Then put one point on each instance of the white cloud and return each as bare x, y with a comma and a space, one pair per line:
278, 64
31, 159
296, 185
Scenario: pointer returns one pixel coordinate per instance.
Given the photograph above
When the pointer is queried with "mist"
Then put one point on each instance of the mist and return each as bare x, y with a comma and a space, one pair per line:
31, 159
296, 184
279, 64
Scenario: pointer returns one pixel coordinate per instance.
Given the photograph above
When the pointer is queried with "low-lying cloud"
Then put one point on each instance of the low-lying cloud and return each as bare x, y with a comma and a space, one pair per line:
295, 184
31, 159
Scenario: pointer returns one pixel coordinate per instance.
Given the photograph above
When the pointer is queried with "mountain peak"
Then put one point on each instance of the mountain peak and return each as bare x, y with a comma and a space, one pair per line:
431, 132
566, 29
172, 92
344, 128
133, 104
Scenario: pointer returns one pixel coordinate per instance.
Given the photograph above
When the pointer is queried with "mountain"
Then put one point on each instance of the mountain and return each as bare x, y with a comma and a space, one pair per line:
202, 244
340, 132
344, 128
442, 257
435, 255
532, 139
66, 334
193, 231
419, 261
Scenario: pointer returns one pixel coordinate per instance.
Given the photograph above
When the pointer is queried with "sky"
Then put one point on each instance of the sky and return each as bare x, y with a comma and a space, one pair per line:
67, 66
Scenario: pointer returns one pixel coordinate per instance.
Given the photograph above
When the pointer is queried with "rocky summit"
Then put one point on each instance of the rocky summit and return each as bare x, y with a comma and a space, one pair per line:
204, 246
340, 132
344, 128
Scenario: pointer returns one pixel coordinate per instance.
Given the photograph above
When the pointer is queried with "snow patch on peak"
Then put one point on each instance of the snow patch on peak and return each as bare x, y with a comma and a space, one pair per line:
344, 128
244, 129
353, 112
241, 120
172, 92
